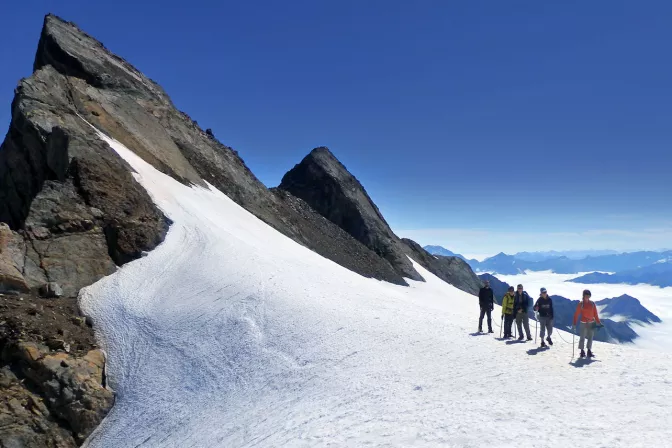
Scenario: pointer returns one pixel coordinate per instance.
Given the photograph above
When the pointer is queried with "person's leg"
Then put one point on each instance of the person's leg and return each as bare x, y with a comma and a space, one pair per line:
526, 321
549, 326
519, 324
589, 334
582, 334
480, 319
489, 313
542, 329
508, 323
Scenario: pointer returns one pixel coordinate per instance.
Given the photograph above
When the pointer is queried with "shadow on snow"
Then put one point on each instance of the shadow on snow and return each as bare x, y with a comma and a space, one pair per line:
583, 362
537, 350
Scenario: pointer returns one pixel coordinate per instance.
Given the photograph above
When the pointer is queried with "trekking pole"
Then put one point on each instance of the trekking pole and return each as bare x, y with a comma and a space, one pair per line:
500, 327
573, 336
536, 323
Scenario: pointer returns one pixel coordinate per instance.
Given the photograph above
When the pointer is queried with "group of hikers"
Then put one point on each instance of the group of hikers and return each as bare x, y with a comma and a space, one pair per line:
515, 305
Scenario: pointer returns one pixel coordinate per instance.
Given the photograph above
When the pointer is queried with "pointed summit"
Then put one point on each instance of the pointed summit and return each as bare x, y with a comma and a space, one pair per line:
328, 187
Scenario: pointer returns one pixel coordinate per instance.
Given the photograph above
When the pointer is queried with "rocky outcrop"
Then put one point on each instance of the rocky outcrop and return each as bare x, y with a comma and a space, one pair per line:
453, 270
11, 277
52, 385
327, 186
37, 194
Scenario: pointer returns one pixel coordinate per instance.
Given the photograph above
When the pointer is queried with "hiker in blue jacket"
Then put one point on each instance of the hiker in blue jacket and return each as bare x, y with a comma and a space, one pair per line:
521, 304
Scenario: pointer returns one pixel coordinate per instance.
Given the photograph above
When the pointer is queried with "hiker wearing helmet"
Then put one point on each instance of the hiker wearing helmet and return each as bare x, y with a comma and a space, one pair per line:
486, 299
544, 307
521, 304
507, 312
589, 321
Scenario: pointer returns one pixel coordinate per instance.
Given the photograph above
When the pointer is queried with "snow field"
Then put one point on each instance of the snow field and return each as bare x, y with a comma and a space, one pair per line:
229, 334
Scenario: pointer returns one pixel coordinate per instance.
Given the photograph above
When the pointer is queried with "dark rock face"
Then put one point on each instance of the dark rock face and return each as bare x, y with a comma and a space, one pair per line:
46, 134
327, 186
334, 243
452, 270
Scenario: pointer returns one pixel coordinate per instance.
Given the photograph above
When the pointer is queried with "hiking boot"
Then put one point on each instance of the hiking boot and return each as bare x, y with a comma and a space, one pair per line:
590, 354
582, 354
529, 338
549, 340
543, 344
520, 338
480, 330
490, 331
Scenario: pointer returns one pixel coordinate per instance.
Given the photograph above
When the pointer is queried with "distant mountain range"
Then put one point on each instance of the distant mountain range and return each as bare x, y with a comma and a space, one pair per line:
571, 254
613, 262
627, 309
656, 274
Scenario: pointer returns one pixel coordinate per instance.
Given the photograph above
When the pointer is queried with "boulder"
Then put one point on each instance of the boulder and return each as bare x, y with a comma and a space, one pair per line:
51, 290
327, 186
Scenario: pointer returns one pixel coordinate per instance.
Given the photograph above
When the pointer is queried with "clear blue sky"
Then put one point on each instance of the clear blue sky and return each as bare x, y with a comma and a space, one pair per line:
479, 125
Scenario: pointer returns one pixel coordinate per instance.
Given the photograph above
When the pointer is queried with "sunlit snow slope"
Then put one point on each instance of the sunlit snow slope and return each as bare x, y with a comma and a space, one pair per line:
230, 334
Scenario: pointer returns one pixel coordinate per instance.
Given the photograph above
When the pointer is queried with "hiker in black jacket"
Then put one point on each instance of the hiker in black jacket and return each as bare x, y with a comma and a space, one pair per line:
486, 299
521, 303
544, 307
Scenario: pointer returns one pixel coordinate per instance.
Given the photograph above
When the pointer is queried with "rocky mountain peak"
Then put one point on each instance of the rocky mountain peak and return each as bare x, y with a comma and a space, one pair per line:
72, 52
326, 185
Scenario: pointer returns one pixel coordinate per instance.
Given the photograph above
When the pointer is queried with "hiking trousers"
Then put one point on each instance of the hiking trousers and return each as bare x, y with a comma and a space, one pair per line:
522, 319
508, 323
546, 324
485, 310
586, 332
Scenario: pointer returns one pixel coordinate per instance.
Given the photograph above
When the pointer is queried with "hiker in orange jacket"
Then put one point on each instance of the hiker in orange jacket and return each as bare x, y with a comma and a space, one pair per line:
589, 321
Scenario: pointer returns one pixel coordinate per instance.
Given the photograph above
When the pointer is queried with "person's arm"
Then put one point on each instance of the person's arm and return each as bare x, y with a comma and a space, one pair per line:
536, 305
576, 313
597, 318
551, 302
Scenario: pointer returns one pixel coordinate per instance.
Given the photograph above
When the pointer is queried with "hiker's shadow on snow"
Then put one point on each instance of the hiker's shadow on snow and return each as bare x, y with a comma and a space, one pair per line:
583, 362
515, 341
537, 350
478, 334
